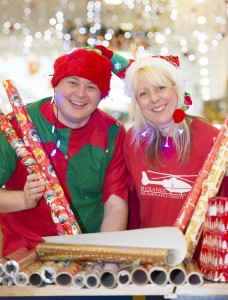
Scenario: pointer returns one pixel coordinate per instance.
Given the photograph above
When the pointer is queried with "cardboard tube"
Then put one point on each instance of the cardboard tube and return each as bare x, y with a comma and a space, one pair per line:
36, 278
108, 277
158, 275
7, 280
92, 279
139, 275
48, 273
178, 275
79, 278
64, 277
22, 278
194, 275
124, 275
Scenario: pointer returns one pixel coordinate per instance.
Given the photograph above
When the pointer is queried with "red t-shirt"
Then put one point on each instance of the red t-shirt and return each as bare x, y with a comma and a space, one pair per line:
162, 189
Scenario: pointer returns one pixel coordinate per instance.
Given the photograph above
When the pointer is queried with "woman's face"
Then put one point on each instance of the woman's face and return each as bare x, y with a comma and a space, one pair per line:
76, 99
157, 103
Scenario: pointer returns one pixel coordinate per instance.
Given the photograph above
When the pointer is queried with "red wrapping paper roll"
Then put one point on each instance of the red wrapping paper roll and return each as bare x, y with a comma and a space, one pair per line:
31, 137
64, 223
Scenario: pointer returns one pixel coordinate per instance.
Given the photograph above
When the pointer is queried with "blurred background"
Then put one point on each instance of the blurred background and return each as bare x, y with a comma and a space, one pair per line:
33, 33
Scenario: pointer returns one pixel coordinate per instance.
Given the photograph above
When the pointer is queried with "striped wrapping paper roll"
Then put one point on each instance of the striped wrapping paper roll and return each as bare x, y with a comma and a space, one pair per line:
32, 140
193, 196
61, 219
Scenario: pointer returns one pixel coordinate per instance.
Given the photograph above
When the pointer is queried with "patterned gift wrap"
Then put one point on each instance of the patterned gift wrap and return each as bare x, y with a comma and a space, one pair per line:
33, 143
214, 252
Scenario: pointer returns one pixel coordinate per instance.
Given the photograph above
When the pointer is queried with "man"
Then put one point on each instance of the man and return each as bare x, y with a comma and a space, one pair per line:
84, 146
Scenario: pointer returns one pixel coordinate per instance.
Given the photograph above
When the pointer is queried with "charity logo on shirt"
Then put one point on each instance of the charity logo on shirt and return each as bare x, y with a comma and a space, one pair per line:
166, 185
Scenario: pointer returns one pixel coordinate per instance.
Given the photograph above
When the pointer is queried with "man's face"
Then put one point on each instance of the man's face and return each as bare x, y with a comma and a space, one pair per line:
76, 99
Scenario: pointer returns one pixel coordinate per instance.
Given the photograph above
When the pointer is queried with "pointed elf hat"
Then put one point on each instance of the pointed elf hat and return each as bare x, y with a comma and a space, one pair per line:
125, 69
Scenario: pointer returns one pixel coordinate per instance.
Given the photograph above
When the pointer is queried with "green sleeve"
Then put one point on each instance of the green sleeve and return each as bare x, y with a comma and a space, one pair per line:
7, 160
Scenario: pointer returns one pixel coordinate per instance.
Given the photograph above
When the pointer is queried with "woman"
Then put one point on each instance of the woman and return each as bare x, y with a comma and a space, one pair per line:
168, 148
165, 148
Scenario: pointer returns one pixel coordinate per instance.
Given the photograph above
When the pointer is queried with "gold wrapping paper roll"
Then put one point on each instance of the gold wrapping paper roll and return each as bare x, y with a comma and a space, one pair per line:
194, 275
190, 203
209, 190
93, 253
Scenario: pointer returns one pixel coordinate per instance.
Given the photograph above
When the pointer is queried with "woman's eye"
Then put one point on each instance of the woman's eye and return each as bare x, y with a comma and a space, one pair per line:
161, 88
143, 95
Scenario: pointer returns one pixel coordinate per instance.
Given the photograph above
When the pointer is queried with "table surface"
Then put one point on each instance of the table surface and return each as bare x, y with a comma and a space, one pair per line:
208, 288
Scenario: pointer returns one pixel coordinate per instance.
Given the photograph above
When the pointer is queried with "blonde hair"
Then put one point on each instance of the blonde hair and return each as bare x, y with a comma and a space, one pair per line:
153, 138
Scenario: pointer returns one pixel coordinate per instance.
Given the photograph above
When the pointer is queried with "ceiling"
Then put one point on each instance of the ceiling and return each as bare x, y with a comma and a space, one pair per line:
195, 30
52, 25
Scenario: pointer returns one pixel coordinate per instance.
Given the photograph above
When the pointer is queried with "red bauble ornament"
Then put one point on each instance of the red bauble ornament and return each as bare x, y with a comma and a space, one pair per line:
178, 115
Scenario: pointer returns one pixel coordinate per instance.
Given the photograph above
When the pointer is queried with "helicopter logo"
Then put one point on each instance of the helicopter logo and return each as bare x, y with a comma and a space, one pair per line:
175, 184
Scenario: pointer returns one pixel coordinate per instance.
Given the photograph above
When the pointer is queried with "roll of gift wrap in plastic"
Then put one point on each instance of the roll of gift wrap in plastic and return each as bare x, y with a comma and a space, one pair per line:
189, 205
31, 138
210, 189
59, 214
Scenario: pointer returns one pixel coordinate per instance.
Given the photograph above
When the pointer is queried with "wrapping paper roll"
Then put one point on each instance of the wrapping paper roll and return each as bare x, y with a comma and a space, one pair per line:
48, 274
194, 275
47, 251
151, 238
32, 139
79, 277
15, 256
124, 274
186, 212
210, 189
22, 278
64, 277
63, 222
13, 266
92, 278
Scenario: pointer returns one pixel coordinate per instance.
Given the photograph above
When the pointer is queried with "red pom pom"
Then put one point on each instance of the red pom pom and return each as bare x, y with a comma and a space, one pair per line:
178, 115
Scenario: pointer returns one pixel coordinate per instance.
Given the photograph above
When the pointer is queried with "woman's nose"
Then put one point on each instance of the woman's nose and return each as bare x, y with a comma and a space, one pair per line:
154, 95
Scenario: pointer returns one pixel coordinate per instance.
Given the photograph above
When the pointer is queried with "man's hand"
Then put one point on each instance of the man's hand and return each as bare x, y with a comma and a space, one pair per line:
33, 190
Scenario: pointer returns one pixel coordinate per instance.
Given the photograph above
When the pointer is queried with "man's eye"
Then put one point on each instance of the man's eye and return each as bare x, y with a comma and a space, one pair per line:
72, 83
92, 87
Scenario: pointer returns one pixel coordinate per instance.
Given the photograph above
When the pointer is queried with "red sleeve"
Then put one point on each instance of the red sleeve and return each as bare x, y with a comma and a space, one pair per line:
116, 178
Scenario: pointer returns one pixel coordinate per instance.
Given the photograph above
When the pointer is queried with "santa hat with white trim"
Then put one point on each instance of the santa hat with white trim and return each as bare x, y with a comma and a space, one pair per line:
125, 69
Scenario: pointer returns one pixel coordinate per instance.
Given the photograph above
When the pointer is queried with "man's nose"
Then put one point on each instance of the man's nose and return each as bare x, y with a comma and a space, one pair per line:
80, 90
